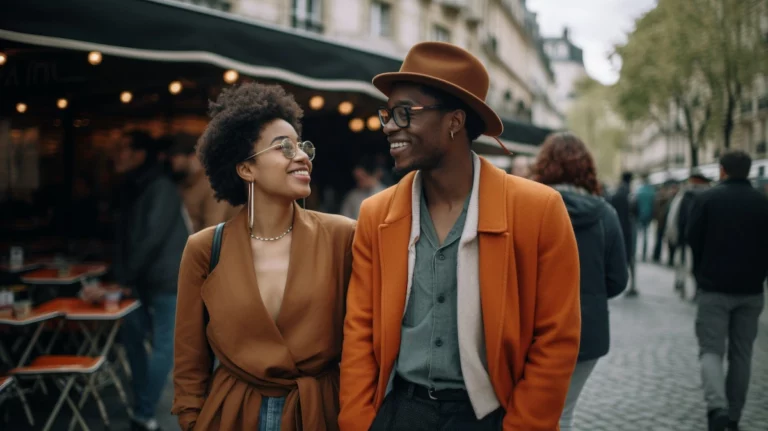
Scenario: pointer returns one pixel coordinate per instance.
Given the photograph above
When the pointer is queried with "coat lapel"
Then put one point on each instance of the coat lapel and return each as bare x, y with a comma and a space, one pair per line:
393, 238
496, 262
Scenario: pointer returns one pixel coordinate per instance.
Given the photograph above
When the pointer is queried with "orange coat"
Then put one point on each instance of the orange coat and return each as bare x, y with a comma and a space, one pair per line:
529, 288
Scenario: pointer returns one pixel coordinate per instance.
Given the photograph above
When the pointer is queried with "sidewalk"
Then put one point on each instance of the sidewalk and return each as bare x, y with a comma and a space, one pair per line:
650, 378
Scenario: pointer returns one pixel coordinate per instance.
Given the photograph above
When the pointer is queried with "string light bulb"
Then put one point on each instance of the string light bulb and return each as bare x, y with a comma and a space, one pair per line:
175, 87
3, 58
345, 108
21, 108
316, 102
62, 103
373, 123
231, 76
356, 125
94, 57
126, 97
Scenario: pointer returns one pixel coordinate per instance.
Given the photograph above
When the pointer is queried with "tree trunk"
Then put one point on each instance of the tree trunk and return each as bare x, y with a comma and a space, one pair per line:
728, 126
694, 154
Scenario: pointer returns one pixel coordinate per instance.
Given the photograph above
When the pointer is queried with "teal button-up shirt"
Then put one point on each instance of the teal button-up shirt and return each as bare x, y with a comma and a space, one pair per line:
429, 346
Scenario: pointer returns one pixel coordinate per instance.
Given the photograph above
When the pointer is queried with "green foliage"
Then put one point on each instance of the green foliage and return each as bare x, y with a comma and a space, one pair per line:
688, 63
593, 119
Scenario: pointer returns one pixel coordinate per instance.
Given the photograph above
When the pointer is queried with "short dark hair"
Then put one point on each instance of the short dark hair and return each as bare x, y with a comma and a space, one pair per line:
736, 164
237, 118
626, 177
368, 163
474, 124
142, 141
181, 143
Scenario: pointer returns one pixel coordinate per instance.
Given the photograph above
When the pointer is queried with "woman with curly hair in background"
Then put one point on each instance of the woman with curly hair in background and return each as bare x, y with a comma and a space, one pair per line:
565, 164
272, 308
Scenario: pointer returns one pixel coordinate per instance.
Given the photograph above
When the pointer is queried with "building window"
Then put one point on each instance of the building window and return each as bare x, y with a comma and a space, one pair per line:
308, 15
440, 34
381, 19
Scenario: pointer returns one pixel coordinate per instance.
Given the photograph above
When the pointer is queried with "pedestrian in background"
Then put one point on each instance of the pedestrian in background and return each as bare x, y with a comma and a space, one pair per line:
203, 209
565, 164
367, 173
644, 201
150, 239
677, 224
271, 309
728, 236
622, 203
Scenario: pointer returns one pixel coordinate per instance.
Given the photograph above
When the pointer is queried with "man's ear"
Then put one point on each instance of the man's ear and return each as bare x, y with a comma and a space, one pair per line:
458, 120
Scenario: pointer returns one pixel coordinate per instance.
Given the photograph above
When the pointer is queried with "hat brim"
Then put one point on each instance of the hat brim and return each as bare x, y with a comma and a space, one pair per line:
493, 125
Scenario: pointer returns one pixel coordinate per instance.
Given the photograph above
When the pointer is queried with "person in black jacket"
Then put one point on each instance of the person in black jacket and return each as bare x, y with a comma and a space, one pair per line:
150, 239
565, 164
728, 236
627, 211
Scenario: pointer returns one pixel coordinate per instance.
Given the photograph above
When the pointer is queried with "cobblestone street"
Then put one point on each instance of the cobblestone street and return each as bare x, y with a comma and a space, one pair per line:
650, 379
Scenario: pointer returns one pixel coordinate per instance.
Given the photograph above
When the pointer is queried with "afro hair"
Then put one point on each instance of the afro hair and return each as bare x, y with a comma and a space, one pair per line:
238, 116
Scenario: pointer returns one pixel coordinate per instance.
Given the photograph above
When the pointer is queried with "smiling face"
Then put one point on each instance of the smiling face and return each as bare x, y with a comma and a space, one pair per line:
272, 172
423, 144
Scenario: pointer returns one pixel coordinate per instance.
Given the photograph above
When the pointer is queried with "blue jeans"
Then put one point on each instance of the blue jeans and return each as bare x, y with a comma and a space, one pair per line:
150, 372
271, 413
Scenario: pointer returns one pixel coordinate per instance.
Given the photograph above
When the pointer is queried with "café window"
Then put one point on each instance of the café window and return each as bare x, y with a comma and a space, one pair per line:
440, 34
308, 15
381, 19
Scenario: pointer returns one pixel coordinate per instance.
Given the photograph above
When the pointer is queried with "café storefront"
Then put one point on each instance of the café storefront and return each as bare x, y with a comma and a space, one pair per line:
74, 75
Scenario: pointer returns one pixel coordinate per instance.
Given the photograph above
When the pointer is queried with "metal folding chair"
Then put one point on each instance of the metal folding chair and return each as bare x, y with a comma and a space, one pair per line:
65, 370
7, 386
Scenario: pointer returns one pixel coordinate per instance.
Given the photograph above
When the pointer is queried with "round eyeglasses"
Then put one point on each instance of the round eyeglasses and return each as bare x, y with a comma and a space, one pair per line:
289, 149
401, 114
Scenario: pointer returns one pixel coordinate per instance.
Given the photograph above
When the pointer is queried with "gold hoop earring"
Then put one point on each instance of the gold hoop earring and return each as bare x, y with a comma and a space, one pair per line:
451, 134
250, 207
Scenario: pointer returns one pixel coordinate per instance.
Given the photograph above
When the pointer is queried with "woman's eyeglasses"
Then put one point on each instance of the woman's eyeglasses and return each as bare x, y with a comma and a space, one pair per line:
401, 114
290, 149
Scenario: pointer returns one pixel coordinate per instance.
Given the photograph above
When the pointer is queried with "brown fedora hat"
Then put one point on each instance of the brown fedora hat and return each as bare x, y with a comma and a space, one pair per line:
451, 69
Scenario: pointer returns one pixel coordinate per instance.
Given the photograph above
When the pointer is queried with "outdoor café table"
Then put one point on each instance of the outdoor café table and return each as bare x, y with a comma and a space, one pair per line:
26, 266
76, 273
36, 318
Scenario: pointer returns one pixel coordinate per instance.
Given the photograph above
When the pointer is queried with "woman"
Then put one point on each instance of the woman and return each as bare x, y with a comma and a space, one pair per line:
565, 164
272, 310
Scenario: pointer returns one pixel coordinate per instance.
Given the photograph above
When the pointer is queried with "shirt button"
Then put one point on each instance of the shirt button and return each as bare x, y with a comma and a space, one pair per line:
441, 256
441, 299
438, 342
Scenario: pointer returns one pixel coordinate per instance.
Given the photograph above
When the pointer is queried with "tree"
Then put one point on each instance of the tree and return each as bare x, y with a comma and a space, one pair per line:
688, 62
592, 118
661, 79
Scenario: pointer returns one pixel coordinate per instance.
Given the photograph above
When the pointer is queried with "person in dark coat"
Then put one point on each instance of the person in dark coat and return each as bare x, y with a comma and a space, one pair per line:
150, 239
627, 212
565, 164
728, 235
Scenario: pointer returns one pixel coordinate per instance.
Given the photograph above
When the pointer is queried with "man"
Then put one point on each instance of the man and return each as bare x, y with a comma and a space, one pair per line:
644, 202
367, 175
728, 236
463, 305
203, 208
150, 239
661, 205
622, 203
677, 224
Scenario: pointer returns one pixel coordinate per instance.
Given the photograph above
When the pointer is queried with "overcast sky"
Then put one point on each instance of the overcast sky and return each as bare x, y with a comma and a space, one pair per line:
595, 26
